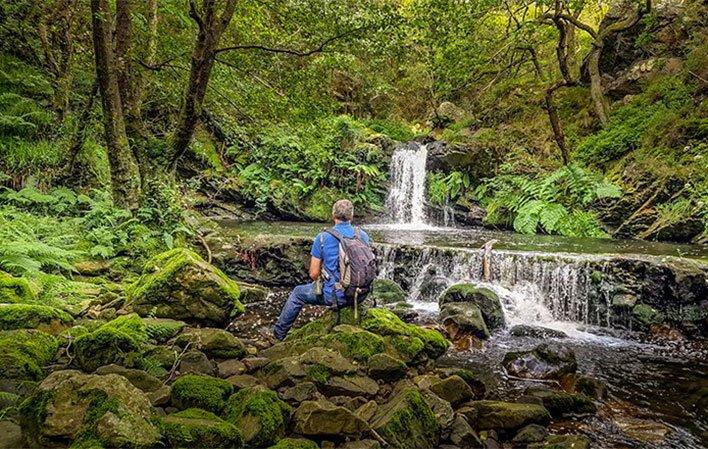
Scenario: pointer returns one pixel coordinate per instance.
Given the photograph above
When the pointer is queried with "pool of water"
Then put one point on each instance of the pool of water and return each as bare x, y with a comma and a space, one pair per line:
476, 237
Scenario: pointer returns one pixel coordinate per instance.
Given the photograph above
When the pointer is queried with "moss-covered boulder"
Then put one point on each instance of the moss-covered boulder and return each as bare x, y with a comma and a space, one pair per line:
407, 422
317, 365
23, 355
100, 410
260, 414
111, 342
199, 428
506, 417
484, 298
139, 378
33, 316
216, 343
15, 290
385, 291
386, 323
323, 419
160, 330
200, 391
453, 389
546, 361
466, 317
386, 367
561, 403
295, 443
179, 284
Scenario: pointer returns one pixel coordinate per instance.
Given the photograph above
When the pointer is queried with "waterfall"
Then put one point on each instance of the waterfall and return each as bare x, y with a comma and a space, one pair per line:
534, 287
406, 198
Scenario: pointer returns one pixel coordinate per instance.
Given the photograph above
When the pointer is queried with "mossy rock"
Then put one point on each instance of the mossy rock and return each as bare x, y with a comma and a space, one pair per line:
385, 291
252, 293
25, 352
295, 443
200, 391
179, 284
321, 418
385, 322
386, 367
199, 428
407, 422
139, 378
466, 317
260, 414
213, 342
507, 416
484, 298
162, 329
91, 410
32, 316
111, 342
16, 290
647, 315
562, 442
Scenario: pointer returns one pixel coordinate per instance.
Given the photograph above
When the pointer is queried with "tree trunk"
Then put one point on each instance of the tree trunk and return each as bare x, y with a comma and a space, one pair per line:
211, 26
125, 178
558, 133
598, 96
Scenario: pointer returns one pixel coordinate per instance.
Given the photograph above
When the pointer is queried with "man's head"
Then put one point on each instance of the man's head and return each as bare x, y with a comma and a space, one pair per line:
343, 210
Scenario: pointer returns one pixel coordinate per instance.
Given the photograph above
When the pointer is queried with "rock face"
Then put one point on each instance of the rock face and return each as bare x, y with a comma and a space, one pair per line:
407, 422
485, 299
546, 361
259, 414
179, 284
107, 409
322, 418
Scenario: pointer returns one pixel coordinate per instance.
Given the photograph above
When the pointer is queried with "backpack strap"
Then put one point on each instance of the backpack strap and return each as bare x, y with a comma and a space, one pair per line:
336, 234
357, 233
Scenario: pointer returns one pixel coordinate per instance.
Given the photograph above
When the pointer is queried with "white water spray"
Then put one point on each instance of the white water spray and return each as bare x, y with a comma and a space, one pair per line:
406, 199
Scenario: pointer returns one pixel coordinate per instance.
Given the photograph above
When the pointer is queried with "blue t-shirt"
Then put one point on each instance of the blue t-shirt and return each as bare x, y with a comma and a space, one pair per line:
326, 248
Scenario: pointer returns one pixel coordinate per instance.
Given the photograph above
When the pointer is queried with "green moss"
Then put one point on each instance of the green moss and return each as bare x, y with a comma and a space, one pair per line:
409, 349
295, 443
199, 428
15, 290
31, 316
162, 329
200, 391
111, 342
647, 315
387, 292
385, 322
319, 205
260, 414
410, 423
318, 373
24, 353
354, 343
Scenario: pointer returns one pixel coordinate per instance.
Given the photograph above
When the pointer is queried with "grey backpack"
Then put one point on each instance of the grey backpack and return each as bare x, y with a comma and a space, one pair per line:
357, 265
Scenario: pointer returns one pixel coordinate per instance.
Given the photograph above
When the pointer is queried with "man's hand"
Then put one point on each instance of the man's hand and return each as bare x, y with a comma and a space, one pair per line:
315, 268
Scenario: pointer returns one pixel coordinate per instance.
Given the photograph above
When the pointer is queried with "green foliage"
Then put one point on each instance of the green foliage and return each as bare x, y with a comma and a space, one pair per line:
555, 203
443, 188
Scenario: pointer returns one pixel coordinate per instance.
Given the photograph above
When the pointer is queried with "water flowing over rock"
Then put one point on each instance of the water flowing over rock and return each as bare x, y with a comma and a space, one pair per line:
406, 198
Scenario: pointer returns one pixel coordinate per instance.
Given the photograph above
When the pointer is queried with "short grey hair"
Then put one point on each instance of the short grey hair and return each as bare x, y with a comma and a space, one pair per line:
343, 210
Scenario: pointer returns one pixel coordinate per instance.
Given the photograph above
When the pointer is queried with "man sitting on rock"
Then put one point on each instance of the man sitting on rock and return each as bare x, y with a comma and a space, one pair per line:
324, 270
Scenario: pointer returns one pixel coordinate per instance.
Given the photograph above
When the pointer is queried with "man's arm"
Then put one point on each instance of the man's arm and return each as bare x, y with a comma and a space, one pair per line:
315, 267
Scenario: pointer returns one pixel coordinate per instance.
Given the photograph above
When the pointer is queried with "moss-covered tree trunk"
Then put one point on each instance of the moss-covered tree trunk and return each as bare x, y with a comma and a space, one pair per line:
125, 177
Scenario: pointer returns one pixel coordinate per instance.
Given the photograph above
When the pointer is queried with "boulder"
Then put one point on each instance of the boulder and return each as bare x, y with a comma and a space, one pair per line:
317, 365
507, 417
385, 291
561, 404
229, 368
442, 410
323, 419
304, 391
196, 362
11, 435
533, 433
351, 386
259, 414
199, 428
474, 381
179, 284
525, 330
384, 322
295, 443
252, 294
484, 298
199, 391
16, 290
546, 361
453, 389
216, 343
162, 329
562, 442
463, 435
591, 387
32, 316
69, 405
139, 378
111, 342
23, 355
407, 422
466, 317
386, 367
240, 381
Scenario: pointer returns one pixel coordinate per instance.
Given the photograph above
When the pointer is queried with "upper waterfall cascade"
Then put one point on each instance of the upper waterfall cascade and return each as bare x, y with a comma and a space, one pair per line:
406, 198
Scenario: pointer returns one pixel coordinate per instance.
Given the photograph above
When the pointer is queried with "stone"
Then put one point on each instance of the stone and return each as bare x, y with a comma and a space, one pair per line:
472, 379
259, 414
385, 292
463, 435
69, 404
624, 300
161, 396
196, 362
484, 298
179, 284
525, 330
16, 290
253, 294
561, 404
647, 315
295, 443
24, 353
546, 361
506, 416
351, 386
11, 435
466, 317
162, 329
533, 433
229, 368
33, 316
362, 444
199, 428
562, 442
317, 365
425, 381
304, 391
447, 113
200, 391
140, 379
243, 381
367, 410
442, 410
110, 343
407, 422
254, 363
386, 368
453, 389
322, 418
591, 387
216, 343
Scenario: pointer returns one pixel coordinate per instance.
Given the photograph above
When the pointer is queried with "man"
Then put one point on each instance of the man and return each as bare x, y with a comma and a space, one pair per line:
324, 265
